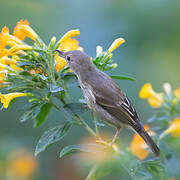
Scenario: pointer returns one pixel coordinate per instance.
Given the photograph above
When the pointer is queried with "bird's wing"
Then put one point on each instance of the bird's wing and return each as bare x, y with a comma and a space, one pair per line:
110, 97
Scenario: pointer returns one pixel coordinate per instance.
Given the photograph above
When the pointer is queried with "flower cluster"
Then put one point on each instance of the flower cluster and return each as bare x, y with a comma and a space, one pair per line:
36, 71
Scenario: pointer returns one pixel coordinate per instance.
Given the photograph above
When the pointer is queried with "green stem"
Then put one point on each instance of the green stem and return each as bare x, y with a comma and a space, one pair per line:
86, 126
95, 124
51, 66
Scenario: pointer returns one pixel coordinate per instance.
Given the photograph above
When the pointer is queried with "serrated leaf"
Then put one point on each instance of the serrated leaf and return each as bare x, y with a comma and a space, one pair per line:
42, 115
122, 77
51, 136
72, 149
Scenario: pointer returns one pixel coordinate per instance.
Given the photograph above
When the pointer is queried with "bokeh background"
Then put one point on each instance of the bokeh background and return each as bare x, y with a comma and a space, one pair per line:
151, 54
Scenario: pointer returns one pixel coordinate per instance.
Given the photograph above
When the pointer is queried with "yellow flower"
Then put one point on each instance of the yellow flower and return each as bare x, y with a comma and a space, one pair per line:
6, 60
66, 43
116, 44
69, 45
138, 147
3, 52
7, 98
6, 37
174, 128
16, 49
60, 62
172, 179
2, 76
177, 93
27, 31
69, 34
21, 165
154, 99
18, 31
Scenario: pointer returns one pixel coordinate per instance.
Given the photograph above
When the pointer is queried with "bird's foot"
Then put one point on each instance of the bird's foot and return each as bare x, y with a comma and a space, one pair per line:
108, 144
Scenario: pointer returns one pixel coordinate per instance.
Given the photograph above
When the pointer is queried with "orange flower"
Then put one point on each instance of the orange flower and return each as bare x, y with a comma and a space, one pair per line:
21, 165
17, 30
174, 128
138, 147
37, 71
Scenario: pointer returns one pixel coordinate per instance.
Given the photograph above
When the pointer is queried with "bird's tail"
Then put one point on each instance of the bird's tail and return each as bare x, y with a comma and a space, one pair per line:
155, 149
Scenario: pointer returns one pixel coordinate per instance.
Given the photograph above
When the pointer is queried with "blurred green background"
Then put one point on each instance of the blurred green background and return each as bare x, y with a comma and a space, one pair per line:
150, 54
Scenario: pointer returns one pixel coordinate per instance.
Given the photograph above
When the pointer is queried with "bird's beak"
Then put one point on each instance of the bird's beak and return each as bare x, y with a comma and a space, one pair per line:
61, 53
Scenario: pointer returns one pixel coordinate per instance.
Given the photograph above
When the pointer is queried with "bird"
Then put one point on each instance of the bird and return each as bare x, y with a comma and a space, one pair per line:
105, 98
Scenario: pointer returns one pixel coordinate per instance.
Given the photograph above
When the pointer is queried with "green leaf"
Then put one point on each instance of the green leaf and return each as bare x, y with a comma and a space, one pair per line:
31, 112
41, 117
54, 88
154, 168
88, 148
51, 136
122, 77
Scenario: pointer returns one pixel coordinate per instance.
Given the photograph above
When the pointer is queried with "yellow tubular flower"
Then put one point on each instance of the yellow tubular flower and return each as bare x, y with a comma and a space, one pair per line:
6, 60
138, 147
60, 62
17, 30
17, 48
116, 44
69, 45
154, 99
28, 32
66, 43
3, 52
174, 128
6, 37
69, 34
7, 98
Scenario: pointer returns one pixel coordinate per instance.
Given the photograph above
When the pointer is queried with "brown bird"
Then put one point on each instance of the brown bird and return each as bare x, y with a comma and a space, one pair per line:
105, 98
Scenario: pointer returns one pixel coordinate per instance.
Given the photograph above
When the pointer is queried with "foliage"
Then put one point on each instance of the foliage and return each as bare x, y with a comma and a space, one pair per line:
39, 73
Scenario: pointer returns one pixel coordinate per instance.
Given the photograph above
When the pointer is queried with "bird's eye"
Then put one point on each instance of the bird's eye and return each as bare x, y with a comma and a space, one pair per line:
68, 58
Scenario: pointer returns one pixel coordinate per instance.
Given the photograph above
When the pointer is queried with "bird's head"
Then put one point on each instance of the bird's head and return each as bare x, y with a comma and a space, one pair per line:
77, 60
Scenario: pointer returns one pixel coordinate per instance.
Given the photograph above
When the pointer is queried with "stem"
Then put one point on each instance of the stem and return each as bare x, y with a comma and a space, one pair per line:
86, 126
95, 124
51, 66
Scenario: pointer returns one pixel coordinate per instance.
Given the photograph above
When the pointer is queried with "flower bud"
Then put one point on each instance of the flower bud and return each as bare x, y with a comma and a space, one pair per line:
69, 34
116, 44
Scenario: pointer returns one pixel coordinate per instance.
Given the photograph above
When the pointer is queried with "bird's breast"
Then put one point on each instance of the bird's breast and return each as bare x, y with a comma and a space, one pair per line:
88, 94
